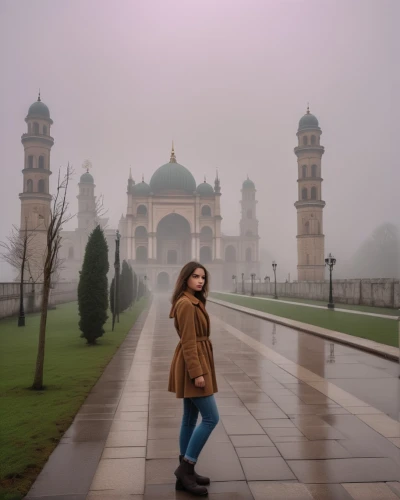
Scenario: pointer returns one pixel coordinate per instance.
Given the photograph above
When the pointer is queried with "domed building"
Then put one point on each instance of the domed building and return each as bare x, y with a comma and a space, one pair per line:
172, 220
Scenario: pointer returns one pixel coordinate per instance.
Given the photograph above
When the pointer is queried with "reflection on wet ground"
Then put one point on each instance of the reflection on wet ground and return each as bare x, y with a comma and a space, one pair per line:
301, 418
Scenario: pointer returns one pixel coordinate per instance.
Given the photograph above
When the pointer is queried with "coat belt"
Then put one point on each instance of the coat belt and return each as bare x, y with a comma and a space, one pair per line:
201, 339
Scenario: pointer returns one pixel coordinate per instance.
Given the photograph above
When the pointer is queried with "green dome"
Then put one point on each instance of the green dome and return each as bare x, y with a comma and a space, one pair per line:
248, 184
141, 189
87, 178
174, 177
308, 121
39, 109
205, 189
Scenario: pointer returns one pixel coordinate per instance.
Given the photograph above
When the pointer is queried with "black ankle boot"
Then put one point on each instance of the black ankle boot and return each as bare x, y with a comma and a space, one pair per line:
187, 480
202, 480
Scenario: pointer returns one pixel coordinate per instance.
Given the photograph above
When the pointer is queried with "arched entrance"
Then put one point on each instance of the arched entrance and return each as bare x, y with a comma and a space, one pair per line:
173, 240
163, 281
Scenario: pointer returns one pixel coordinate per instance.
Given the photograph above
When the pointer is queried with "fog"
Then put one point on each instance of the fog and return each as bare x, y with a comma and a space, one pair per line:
226, 80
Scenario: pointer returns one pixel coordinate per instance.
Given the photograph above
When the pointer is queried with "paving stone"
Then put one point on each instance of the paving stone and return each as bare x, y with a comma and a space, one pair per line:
345, 470
125, 452
253, 440
266, 469
124, 475
370, 491
257, 451
328, 492
241, 425
279, 491
312, 450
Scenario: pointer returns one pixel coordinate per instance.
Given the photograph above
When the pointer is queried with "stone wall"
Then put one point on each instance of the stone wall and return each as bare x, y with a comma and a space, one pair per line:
368, 292
9, 297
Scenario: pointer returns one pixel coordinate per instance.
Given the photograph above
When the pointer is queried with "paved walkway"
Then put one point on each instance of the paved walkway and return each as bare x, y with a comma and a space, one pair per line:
315, 306
299, 420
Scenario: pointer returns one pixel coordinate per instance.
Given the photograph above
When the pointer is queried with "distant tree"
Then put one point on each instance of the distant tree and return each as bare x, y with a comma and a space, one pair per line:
112, 288
131, 283
58, 217
17, 251
379, 255
93, 287
125, 299
134, 287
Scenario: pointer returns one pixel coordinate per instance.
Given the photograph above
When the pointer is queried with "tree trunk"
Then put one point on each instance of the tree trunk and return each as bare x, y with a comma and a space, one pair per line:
38, 381
21, 317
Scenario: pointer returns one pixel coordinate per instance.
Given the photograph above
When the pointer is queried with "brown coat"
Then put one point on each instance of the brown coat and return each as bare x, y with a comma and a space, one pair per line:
194, 354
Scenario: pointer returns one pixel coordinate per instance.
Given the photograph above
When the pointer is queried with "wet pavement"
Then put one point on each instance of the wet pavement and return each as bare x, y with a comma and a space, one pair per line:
300, 419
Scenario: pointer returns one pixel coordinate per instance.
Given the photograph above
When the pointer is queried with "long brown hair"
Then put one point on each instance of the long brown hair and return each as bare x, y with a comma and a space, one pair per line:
181, 283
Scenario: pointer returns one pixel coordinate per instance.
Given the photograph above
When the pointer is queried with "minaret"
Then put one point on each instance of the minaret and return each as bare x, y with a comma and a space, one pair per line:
35, 197
310, 235
248, 221
87, 216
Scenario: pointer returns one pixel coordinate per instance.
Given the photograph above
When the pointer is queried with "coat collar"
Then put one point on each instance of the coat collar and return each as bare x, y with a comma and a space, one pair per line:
194, 300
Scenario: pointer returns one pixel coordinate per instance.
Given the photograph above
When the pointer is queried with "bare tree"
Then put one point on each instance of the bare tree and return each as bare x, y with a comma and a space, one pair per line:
17, 251
58, 217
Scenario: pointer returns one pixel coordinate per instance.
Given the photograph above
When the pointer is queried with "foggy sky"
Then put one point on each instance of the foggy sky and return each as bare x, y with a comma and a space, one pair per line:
228, 81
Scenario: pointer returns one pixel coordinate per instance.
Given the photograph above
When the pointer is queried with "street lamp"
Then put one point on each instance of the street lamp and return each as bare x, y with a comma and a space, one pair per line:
274, 266
234, 282
330, 261
252, 275
116, 280
243, 290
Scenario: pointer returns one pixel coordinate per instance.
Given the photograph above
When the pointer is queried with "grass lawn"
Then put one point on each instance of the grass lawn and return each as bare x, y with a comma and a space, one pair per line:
378, 329
368, 309
32, 422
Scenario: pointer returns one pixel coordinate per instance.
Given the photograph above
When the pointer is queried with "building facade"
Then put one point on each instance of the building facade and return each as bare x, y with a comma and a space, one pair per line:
310, 233
171, 221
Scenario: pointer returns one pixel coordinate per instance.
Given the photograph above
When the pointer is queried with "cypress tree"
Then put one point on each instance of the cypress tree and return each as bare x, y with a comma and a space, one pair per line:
125, 300
130, 286
112, 295
93, 287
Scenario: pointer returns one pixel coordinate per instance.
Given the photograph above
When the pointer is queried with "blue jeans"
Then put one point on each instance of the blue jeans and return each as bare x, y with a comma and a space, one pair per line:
192, 439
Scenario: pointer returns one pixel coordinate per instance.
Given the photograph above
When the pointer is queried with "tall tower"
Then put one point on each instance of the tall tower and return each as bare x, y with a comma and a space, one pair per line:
310, 235
35, 197
249, 222
86, 201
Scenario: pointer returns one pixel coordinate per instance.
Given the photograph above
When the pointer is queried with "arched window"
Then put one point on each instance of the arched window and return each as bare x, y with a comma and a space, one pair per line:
29, 185
44, 130
304, 171
41, 161
249, 213
318, 227
304, 194
248, 254
172, 257
141, 254
30, 161
71, 252
36, 128
313, 140
230, 254
313, 170
205, 255
140, 232
307, 227
41, 186
206, 211
249, 233
313, 193
141, 210
206, 233
305, 140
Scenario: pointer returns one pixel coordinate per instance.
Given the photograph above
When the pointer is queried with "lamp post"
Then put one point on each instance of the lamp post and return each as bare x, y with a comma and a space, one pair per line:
116, 280
274, 266
330, 261
234, 282
252, 275
243, 290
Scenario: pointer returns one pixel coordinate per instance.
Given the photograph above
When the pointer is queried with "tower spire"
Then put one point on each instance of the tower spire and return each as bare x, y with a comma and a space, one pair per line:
130, 173
39, 100
308, 108
173, 157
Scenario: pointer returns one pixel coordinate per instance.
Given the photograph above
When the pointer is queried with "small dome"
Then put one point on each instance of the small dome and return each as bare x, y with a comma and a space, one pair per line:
308, 121
205, 189
39, 109
87, 178
248, 184
174, 177
141, 189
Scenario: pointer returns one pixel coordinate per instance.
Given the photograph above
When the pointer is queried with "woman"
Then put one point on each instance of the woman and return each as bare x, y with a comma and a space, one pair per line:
192, 376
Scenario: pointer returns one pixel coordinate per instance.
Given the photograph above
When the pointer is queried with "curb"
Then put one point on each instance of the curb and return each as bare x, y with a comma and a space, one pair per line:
383, 350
